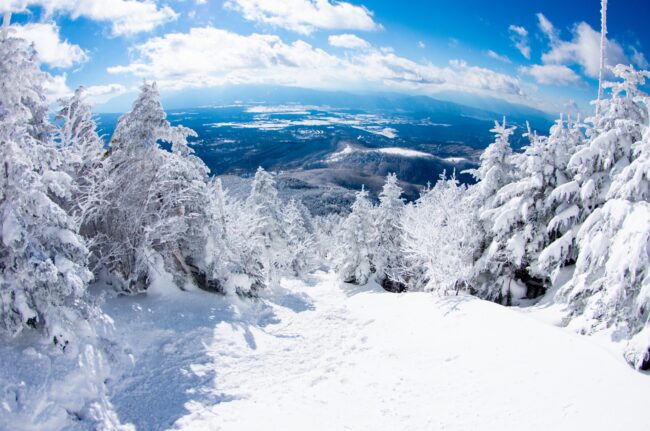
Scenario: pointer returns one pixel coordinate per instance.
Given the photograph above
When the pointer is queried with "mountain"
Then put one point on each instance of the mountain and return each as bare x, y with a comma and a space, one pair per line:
481, 108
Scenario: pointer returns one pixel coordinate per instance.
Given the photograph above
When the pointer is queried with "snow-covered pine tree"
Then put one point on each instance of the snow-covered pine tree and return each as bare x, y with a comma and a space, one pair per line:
300, 241
563, 202
356, 242
268, 254
497, 169
220, 255
180, 233
43, 261
609, 150
388, 227
523, 219
611, 282
77, 136
134, 199
82, 152
441, 238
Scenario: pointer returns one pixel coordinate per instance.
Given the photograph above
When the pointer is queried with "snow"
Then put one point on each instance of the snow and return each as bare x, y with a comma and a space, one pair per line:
321, 355
404, 152
393, 151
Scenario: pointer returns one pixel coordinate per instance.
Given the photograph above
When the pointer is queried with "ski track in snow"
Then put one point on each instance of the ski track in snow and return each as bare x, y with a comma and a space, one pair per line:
317, 355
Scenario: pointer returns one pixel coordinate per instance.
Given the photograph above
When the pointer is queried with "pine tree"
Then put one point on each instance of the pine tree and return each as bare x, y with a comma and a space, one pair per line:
354, 260
266, 232
43, 263
82, 152
611, 282
300, 241
497, 169
388, 227
145, 187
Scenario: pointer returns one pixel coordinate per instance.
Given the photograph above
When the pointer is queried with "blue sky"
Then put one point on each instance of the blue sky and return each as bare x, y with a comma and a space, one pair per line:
538, 53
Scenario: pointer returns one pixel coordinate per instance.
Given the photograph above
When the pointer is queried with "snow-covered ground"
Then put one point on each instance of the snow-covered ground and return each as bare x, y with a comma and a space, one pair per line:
319, 355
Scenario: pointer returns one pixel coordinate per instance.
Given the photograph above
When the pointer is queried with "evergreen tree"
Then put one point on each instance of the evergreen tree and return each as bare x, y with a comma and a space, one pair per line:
146, 193
610, 286
82, 152
266, 230
43, 264
354, 260
300, 241
497, 169
441, 238
388, 227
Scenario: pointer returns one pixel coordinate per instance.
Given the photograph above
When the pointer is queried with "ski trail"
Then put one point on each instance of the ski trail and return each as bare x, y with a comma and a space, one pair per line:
319, 355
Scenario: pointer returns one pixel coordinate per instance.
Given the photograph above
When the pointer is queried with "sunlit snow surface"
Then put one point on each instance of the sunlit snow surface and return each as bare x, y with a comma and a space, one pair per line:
318, 355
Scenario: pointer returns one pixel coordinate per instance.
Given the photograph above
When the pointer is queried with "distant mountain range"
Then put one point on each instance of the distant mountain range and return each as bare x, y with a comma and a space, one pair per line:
477, 107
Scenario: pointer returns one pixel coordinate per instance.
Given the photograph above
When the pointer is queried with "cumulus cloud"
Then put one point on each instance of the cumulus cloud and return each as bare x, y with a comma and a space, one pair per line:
496, 56
349, 41
305, 16
583, 49
51, 49
210, 56
56, 88
519, 37
551, 74
126, 16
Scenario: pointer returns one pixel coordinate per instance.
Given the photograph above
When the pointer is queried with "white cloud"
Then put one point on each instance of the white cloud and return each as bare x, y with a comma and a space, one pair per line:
349, 41
519, 37
497, 56
126, 16
638, 58
51, 49
210, 56
551, 74
583, 50
98, 94
547, 28
56, 88
306, 16
422, 44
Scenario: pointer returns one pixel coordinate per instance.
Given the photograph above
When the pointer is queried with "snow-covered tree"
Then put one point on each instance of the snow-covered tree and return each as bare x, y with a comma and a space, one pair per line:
609, 150
300, 241
77, 135
145, 187
496, 170
388, 226
43, 261
563, 203
82, 152
441, 238
524, 220
611, 282
357, 241
268, 256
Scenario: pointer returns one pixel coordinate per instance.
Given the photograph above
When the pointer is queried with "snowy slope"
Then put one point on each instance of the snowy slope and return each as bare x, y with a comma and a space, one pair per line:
321, 356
